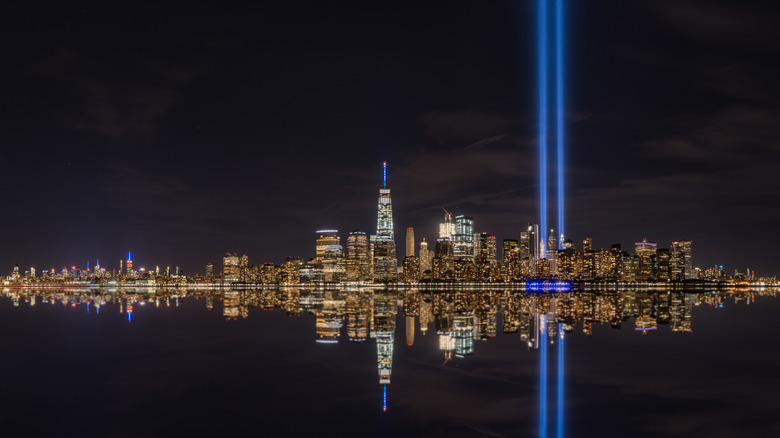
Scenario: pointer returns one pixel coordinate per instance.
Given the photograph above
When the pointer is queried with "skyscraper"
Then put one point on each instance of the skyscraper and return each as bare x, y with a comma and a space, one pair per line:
385, 261
646, 251
447, 228
425, 256
464, 238
230, 267
357, 256
410, 242
325, 238
682, 260
129, 264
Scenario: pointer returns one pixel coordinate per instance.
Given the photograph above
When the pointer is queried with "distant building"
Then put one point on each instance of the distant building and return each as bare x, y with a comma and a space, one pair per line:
325, 238
357, 256
463, 240
230, 267
410, 242
682, 260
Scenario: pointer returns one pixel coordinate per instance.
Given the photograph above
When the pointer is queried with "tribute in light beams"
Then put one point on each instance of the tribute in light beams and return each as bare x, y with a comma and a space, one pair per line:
545, 19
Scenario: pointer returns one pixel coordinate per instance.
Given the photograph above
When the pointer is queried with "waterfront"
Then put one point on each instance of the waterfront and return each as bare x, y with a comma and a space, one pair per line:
252, 363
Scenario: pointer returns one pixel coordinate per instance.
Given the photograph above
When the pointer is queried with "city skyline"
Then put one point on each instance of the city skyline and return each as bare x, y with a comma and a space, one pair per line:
127, 139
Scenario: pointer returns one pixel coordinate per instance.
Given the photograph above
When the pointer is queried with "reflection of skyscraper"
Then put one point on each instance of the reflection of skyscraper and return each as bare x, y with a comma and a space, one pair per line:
385, 261
357, 314
409, 242
384, 328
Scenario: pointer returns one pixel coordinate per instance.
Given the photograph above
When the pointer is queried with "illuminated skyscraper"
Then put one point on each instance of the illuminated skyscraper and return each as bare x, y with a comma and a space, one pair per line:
425, 257
129, 264
384, 327
682, 260
385, 261
230, 267
463, 239
333, 266
409, 242
357, 256
647, 252
552, 252
209, 270
447, 228
325, 238
529, 249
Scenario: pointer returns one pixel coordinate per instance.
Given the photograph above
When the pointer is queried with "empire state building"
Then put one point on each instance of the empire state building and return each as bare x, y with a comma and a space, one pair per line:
385, 261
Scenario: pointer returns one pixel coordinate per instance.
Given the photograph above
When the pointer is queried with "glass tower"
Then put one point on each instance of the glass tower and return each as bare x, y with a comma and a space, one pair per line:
385, 261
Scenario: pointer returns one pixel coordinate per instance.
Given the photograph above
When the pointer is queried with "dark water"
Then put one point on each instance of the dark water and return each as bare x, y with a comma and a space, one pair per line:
306, 363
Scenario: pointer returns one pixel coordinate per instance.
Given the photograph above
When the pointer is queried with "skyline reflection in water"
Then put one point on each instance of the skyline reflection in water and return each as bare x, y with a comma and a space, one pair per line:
466, 362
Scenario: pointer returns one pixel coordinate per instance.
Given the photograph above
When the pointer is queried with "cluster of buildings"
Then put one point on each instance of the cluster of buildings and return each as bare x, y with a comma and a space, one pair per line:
460, 254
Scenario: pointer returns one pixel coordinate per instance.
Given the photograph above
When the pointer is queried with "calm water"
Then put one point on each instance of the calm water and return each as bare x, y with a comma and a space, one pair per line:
305, 362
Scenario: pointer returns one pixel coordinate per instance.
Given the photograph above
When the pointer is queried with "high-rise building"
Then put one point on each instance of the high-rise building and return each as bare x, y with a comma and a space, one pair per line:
333, 266
426, 256
385, 261
357, 256
410, 242
209, 270
682, 260
530, 249
411, 269
510, 259
646, 251
587, 244
552, 252
129, 264
463, 240
230, 267
485, 247
447, 228
325, 238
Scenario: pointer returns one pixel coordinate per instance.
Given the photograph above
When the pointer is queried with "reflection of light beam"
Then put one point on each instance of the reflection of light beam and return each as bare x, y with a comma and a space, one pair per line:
384, 398
560, 381
559, 112
542, 328
542, 61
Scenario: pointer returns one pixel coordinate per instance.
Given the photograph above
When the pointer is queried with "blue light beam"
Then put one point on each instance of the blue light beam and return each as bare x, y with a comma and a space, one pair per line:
561, 382
559, 135
543, 94
542, 376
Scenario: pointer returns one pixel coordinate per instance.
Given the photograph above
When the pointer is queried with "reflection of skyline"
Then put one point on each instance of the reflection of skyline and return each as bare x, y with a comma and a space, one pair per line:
461, 318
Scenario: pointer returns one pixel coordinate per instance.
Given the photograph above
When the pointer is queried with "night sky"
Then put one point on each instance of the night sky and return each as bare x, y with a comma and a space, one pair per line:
180, 132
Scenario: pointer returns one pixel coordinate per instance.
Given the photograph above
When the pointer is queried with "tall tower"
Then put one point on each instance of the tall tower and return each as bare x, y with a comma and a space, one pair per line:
129, 264
410, 242
464, 238
385, 261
